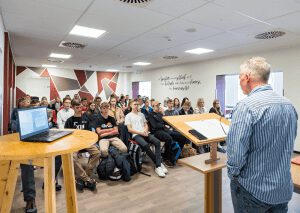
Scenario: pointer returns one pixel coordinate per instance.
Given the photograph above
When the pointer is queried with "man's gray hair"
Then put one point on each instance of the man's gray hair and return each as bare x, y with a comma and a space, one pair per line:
257, 67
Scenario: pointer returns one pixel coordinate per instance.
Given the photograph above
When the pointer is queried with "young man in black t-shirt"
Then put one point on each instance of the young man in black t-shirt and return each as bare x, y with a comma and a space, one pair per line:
83, 177
108, 132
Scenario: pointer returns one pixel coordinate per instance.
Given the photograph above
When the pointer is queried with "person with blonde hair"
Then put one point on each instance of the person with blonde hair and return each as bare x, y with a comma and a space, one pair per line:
200, 109
260, 143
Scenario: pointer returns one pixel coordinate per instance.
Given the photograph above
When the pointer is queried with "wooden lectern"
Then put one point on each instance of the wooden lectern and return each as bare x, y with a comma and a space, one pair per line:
210, 164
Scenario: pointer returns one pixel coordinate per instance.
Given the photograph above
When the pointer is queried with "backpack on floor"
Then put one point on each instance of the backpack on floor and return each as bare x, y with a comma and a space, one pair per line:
135, 154
122, 164
106, 168
176, 150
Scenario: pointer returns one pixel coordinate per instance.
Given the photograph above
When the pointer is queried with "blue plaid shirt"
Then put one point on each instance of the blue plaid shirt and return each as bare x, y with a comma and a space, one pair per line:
260, 144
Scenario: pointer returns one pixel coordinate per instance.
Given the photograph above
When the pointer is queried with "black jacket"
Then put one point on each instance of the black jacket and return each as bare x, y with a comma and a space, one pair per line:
190, 111
156, 121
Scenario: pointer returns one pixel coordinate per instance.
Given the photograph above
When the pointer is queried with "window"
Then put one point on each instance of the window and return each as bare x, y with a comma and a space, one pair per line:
142, 88
230, 93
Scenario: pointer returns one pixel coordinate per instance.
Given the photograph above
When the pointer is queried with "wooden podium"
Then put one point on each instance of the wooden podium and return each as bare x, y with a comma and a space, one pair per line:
210, 164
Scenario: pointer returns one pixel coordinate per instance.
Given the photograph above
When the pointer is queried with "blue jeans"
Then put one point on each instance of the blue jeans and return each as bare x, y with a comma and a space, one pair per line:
244, 202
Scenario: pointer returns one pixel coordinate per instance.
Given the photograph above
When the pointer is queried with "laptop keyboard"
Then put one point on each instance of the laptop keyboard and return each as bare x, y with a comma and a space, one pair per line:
44, 136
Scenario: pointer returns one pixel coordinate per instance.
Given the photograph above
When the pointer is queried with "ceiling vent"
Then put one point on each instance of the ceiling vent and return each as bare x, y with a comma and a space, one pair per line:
128, 67
270, 35
55, 60
170, 57
72, 45
135, 1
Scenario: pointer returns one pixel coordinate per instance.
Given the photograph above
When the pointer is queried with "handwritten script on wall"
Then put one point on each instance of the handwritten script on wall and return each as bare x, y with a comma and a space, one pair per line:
180, 82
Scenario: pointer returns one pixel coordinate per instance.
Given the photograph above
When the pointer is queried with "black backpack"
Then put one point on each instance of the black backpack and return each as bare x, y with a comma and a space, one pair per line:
122, 163
106, 168
135, 154
135, 158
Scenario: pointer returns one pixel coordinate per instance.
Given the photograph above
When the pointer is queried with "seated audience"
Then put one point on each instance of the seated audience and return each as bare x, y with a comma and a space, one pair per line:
91, 115
22, 103
84, 103
35, 103
122, 103
216, 108
127, 100
146, 109
141, 103
138, 127
65, 113
186, 108
43, 102
56, 104
183, 102
83, 176
128, 109
49, 112
116, 112
170, 111
200, 109
177, 106
108, 132
76, 98
163, 132
98, 101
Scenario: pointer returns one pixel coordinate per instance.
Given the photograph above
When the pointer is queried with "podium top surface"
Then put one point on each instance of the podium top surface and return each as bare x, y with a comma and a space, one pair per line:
11, 148
197, 163
178, 123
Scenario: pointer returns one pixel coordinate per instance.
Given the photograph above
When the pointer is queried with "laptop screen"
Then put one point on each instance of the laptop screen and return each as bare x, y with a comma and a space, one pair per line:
32, 121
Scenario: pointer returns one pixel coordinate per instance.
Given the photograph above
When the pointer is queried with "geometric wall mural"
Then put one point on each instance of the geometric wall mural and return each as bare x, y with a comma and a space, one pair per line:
61, 82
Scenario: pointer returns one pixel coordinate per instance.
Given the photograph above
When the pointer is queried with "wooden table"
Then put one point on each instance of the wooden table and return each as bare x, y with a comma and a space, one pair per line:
13, 152
210, 164
295, 171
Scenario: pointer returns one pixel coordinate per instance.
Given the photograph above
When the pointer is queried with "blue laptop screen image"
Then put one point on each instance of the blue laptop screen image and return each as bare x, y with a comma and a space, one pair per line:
32, 121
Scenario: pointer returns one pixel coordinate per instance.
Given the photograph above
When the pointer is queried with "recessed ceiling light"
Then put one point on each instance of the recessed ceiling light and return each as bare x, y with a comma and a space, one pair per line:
141, 63
112, 70
199, 51
57, 55
86, 31
48, 65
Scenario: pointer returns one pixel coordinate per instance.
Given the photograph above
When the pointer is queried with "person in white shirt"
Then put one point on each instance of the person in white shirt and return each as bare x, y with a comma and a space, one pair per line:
138, 127
200, 109
64, 113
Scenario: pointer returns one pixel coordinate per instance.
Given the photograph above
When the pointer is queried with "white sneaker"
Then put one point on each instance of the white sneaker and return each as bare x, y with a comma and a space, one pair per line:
164, 168
159, 171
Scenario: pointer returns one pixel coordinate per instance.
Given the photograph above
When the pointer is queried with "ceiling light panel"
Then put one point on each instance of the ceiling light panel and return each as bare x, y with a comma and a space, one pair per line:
58, 55
86, 31
199, 51
140, 63
48, 65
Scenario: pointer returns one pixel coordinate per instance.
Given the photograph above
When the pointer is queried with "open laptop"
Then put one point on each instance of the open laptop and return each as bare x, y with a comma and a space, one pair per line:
34, 127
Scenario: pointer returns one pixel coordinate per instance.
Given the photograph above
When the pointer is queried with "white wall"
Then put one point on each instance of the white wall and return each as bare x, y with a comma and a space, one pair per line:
286, 60
1, 71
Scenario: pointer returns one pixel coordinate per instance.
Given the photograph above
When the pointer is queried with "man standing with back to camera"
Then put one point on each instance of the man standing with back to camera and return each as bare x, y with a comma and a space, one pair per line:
260, 144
